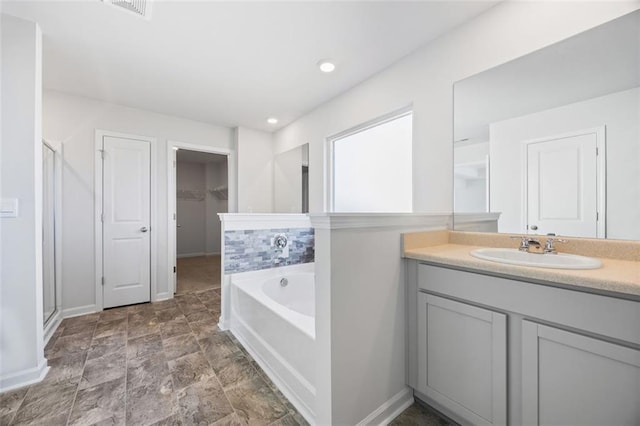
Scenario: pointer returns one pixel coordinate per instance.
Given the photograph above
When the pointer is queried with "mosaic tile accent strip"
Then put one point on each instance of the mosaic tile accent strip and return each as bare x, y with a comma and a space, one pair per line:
251, 250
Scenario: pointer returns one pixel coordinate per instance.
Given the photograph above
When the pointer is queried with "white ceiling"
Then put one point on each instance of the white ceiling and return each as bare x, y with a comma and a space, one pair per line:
603, 60
230, 62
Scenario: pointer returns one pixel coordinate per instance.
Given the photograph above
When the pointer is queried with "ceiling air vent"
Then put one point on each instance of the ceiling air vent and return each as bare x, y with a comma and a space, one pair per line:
140, 8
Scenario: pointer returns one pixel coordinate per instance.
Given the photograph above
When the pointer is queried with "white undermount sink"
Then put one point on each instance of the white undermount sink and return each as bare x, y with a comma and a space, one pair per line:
548, 260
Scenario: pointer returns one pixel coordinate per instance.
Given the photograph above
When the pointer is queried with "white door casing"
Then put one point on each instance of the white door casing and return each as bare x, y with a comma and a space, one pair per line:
125, 240
564, 184
172, 147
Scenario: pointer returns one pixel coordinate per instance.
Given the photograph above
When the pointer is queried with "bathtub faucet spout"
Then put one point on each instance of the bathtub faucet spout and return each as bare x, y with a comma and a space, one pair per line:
281, 242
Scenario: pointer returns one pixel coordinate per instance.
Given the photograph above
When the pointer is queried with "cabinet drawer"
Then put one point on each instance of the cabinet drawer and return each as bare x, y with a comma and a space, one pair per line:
593, 313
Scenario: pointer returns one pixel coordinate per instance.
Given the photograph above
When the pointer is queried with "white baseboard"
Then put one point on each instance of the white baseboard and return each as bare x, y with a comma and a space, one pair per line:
213, 253
24, 377
223, 325
180, 256
390, 409
80, 310
52, 326
163, 296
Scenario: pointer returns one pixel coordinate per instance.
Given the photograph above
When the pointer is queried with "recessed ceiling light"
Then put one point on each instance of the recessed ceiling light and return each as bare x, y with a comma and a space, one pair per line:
326, 65
272, 120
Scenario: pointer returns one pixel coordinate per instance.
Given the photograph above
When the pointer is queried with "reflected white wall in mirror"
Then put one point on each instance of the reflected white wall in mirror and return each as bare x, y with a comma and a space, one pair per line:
561, 129
291, 180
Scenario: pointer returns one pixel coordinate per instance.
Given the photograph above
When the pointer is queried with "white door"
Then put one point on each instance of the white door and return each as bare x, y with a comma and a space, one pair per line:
126, 221
562, 185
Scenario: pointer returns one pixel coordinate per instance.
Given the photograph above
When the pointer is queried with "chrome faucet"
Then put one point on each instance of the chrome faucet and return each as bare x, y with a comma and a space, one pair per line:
549, 245
529, 245
281, 242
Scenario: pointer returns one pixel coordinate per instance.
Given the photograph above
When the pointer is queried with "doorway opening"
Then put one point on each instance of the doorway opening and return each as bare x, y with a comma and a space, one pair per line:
201, 193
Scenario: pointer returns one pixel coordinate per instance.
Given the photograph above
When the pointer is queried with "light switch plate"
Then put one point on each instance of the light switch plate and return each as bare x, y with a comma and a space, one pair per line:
9, 207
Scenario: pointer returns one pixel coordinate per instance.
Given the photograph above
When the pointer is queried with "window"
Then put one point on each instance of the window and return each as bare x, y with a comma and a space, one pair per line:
372, 167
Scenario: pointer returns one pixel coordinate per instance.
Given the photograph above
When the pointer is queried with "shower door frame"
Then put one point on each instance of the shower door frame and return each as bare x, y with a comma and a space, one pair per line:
56, 318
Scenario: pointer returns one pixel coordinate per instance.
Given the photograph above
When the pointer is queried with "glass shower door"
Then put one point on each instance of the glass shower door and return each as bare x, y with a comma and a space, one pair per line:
48, 232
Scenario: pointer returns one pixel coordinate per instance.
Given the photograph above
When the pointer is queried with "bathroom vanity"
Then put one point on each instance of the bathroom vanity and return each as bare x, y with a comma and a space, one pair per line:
499, 344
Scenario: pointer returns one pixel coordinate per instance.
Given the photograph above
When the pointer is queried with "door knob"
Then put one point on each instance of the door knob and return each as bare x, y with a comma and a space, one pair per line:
143, 229
178, 226
534, 227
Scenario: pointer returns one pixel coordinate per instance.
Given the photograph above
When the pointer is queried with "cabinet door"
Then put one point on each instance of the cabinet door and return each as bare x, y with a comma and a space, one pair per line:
462, 358
571, 379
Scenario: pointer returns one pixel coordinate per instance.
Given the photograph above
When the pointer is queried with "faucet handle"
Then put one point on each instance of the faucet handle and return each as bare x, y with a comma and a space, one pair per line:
549, 244
524, 242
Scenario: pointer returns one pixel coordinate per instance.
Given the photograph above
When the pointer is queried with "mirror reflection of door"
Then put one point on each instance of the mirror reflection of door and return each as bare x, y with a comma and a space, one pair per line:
562, 185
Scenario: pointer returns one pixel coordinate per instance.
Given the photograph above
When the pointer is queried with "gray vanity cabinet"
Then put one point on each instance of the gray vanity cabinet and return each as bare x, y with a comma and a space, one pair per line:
462, 352
486, 349
571, 379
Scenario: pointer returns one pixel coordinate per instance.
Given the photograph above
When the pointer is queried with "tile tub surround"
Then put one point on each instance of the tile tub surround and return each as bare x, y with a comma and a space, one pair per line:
619, 275
251, 250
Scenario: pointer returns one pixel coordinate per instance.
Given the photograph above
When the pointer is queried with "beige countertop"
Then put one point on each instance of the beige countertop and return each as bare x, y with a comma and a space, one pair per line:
616, 277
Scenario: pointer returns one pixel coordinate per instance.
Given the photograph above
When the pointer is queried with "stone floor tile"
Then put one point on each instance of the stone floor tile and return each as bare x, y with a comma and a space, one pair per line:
165, 304
83, 319
419, 415
140, 329
178, 346
237, 369
104, 369
217, 348
169, 314
10, 401
103, 403
79, 328
199, 316
231, 420
68, 345
175, 327
255, 402
204, 329
66, 367
105, 345
113, 314
144, 346
174, 420
105, 329
147, 405
47, 403
189, 369
204, 402
150, 370
287, 420
192, 307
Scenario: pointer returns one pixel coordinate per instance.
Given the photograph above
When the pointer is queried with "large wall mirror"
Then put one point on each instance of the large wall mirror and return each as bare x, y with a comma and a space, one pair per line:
291, 180
550, 142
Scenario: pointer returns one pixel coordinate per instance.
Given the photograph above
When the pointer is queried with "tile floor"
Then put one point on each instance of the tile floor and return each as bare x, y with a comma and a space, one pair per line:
164, 363
198, 273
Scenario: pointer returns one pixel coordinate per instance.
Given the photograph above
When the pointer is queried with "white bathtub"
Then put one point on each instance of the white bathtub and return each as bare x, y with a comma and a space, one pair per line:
276, 324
